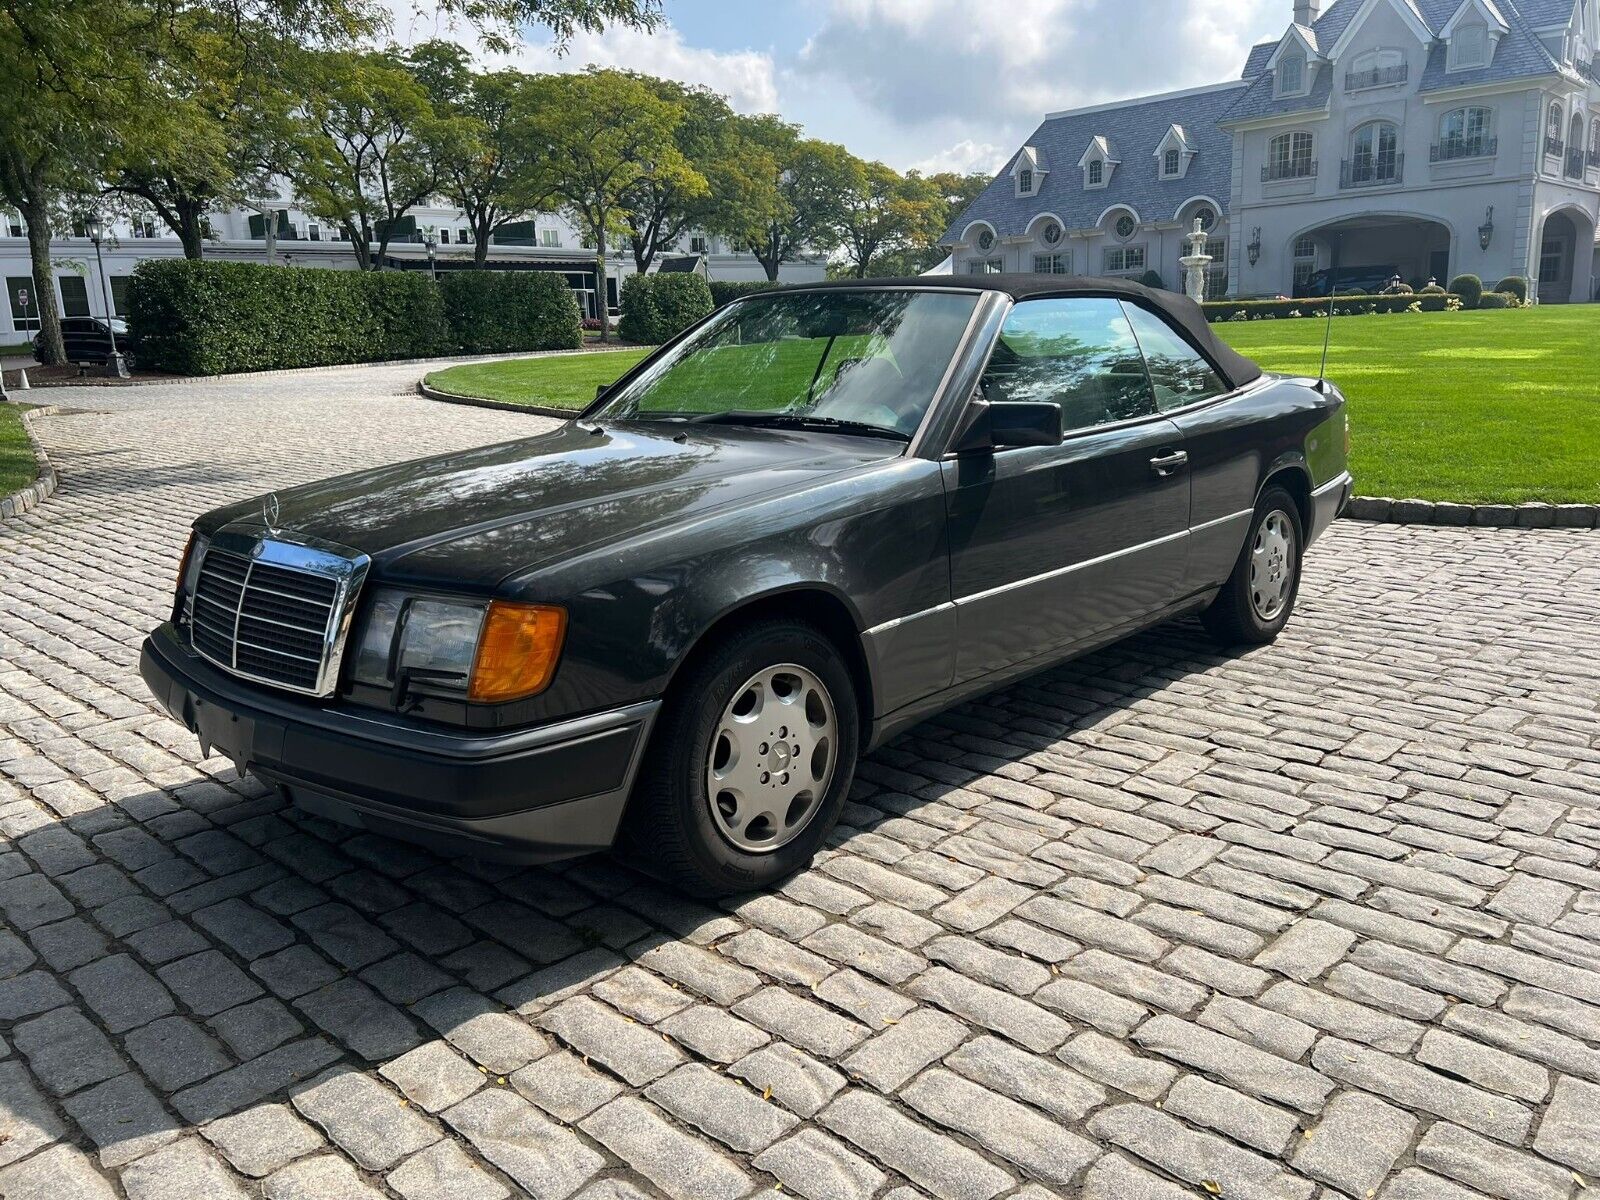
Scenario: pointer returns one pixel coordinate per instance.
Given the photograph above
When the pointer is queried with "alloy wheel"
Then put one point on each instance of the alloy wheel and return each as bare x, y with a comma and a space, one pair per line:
1272, 565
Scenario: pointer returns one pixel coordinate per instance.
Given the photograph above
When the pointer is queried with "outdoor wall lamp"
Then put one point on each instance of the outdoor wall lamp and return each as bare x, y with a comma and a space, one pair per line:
95, 228
1254, 248
1486, 230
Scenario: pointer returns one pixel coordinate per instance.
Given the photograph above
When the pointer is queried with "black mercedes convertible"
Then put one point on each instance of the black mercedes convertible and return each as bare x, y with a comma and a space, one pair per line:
809, 522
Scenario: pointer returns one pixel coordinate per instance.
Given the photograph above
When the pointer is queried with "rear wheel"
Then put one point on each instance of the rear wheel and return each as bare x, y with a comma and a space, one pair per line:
1258, 599
749, 763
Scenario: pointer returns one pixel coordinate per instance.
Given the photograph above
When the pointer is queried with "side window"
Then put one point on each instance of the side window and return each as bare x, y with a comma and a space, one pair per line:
1079, 353
1178, 372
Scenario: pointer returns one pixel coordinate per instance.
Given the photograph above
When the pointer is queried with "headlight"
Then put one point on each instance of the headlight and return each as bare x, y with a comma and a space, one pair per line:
485, 652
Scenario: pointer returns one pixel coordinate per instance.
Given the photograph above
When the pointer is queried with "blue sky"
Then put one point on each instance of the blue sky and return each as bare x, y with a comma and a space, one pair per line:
932, 84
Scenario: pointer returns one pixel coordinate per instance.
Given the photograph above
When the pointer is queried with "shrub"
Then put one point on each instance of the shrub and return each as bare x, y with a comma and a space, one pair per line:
656, 308
491, 312
1497, 300
1433, 289
1317, 306
1514, 285
1152, 279
213, 318
724, 290
1469, 288
1401, 289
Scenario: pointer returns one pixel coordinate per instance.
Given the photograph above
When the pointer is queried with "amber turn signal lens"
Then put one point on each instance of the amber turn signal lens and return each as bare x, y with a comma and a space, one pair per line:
517, 651
183, 563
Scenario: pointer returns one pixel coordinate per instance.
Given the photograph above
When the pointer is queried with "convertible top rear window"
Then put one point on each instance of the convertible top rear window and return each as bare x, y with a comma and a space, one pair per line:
863, 359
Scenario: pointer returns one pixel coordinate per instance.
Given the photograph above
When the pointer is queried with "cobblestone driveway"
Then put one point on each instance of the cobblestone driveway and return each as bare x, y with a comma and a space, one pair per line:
1322, 919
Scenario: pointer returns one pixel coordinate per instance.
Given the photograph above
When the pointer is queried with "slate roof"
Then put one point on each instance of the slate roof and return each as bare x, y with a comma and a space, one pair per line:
1134, 130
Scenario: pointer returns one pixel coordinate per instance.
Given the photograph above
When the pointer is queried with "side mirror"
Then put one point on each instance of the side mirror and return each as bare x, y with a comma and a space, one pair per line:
994, 425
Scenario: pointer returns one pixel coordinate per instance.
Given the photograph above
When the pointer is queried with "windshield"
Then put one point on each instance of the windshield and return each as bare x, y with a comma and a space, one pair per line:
865, 362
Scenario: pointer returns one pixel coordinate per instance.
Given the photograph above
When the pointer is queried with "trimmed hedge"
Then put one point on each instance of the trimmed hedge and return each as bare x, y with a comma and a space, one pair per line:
1516, 285
724, 290
493, 312
1469, 288
656, 308
1498, 300
1317, 306
217, 318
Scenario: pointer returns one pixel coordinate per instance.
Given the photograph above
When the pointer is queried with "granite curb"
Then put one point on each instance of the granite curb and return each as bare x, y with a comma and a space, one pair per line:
1483, 516
42, 488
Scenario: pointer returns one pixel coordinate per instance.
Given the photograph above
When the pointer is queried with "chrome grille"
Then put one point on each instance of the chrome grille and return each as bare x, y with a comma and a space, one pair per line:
274, 611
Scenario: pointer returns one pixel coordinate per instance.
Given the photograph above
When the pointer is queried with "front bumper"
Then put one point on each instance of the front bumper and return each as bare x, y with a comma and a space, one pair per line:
534, 795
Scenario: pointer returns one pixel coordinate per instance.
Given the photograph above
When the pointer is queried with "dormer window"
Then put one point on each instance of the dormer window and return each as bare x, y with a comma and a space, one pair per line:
1098, 163
1170, 161
1025, 182
1174, 153
1292, 75
1469, 47
1028, 171
1097, 173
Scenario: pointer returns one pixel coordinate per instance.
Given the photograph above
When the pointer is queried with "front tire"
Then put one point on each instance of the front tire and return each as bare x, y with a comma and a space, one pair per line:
1258, 599
750, 762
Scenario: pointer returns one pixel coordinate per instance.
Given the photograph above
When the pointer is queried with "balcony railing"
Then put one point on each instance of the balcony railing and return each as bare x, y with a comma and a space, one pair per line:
1355, 81
1575, 163
1372, 172
1470, 147
1554, 146
1293, 169
1594, 158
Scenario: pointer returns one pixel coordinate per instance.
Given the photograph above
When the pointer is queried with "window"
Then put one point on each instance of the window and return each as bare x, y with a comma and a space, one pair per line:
1594, 143
23, 298
463, 236
1097, 173
1207, 217
697, 245
14, 225
119, 295
313, 231
1126, 226
1052, 264
1124, 258
1305, 247
444, 237
1305, 263
1025, 181
1469, 47
1289, 157
549, 237
1170, 162
1552, 129
1291, 74
1464, 133
985, 266
74, 296
142, 226
1552, 256
1051, 233
1079, 353
986, 239
1376, 68
1179, 374
1375, 154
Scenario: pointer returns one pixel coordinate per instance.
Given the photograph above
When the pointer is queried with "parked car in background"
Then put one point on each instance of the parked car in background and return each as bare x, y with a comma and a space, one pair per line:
1360, 281
88, 341
816, 518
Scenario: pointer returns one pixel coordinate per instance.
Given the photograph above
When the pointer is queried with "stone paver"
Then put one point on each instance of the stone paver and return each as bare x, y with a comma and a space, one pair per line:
1170, 921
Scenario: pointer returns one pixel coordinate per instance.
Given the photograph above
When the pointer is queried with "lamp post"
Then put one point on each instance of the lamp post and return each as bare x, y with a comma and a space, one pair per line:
431, 240
115, 366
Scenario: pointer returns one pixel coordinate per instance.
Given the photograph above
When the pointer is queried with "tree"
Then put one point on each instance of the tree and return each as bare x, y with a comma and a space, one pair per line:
601, 129
662, 207
486, 165
790, 192
363, 156
883, 212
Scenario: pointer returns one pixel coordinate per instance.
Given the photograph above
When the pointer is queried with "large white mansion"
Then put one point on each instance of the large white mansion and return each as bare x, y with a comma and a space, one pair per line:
1432, 136
542, 242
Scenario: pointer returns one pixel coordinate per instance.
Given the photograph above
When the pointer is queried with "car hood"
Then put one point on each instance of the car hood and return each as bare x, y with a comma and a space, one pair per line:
476, 517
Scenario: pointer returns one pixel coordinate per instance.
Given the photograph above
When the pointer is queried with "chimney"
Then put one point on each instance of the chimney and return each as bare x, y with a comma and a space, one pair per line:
1306, 12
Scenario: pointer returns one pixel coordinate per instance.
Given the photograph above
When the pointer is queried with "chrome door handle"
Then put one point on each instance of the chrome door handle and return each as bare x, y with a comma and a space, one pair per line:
1166, 464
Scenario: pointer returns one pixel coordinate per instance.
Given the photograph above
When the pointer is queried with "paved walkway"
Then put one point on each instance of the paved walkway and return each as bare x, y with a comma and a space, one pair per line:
1321, 920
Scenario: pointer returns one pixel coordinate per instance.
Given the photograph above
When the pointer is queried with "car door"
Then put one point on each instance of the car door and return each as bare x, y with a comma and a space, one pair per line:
1222, 436
1053, 546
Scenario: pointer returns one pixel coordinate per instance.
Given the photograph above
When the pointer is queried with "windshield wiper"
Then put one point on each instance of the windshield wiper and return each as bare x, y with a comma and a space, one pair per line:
787, 420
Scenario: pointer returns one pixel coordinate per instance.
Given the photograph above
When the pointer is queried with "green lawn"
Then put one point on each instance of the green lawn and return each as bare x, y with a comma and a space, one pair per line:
18, 467
1476, 407
1490, 407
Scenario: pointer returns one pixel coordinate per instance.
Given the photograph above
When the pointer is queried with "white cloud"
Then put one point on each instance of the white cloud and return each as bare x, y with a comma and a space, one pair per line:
748, 78
966, 155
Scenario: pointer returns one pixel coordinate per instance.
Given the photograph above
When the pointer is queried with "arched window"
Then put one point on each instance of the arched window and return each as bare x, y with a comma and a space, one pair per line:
1594, 144
1289, 157
1469, 46
1464, 133
1292, 74
1575, 148
1374, 155
1552, 129
1376, 68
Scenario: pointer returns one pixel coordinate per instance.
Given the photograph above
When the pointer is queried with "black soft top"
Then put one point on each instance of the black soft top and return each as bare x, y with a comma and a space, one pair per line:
1178, 309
